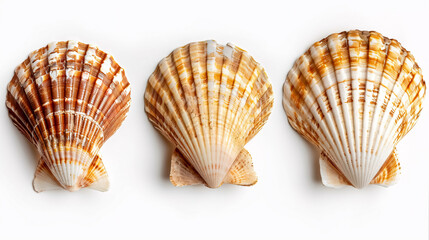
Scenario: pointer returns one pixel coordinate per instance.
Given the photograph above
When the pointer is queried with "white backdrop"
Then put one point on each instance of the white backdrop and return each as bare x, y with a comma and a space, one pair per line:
288, 202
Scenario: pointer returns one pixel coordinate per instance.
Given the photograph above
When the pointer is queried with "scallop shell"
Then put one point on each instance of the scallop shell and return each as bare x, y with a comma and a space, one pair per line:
355, 95
209, 100
68, 98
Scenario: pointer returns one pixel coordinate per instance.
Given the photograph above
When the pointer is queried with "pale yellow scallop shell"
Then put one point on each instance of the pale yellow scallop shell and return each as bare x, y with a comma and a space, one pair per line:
209, 100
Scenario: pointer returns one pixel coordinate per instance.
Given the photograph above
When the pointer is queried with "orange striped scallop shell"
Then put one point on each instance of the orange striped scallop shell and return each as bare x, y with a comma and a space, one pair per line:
354, 95
67, 99
209, 100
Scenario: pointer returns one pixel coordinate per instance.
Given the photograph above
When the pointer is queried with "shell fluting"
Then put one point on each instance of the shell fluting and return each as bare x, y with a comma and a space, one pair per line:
209, 100
68, 98
355, 95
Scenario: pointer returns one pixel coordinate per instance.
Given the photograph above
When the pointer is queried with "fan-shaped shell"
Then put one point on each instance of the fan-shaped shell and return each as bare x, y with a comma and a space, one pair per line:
209, 100
355, 95
68, 98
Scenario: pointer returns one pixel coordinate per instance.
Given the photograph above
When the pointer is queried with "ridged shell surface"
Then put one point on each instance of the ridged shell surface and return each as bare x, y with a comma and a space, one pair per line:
68, 98
209, 100
355, 95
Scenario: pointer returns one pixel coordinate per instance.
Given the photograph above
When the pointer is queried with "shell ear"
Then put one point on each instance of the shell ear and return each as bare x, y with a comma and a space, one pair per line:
102, 184
331, 177
387, 176
43, 179
240, 173
182, 173
97, 178
389, 172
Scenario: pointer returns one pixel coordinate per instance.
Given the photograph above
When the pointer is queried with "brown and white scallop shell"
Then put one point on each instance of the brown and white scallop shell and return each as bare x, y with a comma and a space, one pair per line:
68, 98
355, 95
209, 100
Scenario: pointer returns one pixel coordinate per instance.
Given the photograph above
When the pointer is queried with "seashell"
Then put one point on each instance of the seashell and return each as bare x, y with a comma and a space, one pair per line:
355, 95
209, 100
68, 98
